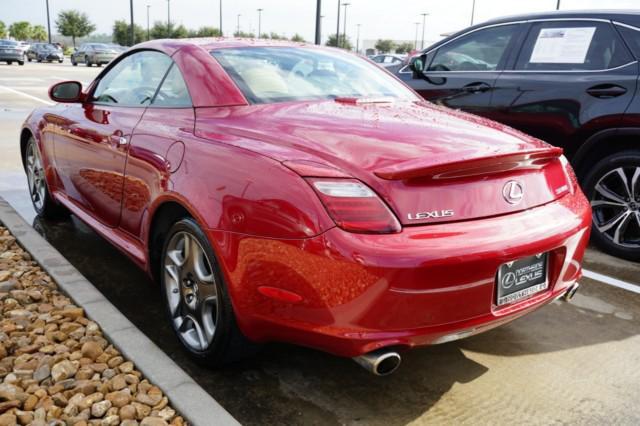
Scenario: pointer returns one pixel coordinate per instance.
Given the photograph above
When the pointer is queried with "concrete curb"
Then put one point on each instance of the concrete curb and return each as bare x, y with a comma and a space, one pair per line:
185, 395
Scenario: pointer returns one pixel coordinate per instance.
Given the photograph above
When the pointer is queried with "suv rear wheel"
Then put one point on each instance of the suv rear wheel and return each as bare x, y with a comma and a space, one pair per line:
613, 188
196, 298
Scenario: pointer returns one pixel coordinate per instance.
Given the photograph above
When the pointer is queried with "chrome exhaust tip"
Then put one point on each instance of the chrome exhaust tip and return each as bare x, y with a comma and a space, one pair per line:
568, 295
380, 363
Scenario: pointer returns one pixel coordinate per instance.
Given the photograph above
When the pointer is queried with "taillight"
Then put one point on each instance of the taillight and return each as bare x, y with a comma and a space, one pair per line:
354, 207
569, 174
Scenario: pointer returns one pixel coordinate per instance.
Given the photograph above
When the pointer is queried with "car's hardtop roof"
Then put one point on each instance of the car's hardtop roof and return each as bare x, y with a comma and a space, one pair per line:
629, 17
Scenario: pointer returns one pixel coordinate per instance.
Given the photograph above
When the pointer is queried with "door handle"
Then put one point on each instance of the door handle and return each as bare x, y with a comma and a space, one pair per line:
605, 91
117, 139
478, 87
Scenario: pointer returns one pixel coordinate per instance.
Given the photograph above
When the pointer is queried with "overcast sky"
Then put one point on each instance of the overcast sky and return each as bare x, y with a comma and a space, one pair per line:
393, 19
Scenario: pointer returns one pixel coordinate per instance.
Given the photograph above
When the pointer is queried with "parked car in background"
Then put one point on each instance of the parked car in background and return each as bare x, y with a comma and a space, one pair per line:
385, 222
387, 59
24, 46
94, 53
10, 52
44, 52
569, 78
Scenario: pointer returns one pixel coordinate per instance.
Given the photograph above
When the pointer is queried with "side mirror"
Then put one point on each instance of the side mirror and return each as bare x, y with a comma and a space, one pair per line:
417, 65
66, 92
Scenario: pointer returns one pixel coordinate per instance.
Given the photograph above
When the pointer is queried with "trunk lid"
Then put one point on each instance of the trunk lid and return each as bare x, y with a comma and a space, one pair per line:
430, 164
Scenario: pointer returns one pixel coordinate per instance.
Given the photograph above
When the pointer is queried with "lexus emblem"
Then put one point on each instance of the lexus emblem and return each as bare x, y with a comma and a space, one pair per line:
513, 192
508, 280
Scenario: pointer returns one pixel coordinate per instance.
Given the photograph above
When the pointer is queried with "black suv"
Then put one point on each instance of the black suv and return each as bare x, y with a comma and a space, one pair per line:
569, 78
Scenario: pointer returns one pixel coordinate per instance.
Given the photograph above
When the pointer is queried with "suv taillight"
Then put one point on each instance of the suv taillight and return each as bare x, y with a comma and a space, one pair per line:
354, 207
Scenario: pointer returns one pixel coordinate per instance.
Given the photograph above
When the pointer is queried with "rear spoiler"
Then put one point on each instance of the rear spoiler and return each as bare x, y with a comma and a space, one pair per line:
458, 166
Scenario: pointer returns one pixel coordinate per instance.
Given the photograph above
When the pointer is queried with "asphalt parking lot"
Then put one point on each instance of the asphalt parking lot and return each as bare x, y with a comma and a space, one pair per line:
576, 362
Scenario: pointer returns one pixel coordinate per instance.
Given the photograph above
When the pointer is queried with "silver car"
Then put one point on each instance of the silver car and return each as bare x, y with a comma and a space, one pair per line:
94, 53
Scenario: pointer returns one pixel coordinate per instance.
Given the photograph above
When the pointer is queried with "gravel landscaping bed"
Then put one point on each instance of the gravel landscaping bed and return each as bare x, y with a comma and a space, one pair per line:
56, 368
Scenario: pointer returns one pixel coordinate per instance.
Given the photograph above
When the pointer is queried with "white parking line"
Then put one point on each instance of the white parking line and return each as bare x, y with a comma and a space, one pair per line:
17, 92
611, 281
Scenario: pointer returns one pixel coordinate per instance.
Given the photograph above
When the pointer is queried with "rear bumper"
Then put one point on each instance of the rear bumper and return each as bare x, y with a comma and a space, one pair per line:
11, 56
425, 285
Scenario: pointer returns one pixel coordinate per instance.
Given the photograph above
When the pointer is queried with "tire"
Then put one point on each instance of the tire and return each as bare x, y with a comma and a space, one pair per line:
74, 63
44, 205
60, 61
616, 211
99, 64
29, 59
86, 61
9, 62
20, 63
184, 288
39, 60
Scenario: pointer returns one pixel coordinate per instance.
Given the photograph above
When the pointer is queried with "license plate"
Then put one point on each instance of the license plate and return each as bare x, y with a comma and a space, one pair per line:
521, 278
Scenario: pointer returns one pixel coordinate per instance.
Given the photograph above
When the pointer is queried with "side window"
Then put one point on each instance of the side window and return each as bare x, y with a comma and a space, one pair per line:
481, 50
134, 80
572, 46
173, 91
632, 37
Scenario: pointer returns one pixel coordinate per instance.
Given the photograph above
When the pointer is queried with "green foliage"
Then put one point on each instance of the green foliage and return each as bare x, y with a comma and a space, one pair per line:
242, 34
276, 36
121, 33
208, 32
385, 46
298, 38
404, 48
345, 44
160, 30
3, 30
39, 33
20, 30
72, 23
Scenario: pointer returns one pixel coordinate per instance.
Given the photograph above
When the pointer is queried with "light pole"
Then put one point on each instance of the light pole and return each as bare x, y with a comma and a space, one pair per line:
473, 10
48, 23
338, 29
238, 28
344, 30
415, 43
148, 30
131, 32
221, 34
558, 5
318, 22
260, 22
424, 20
358, 40
169, 18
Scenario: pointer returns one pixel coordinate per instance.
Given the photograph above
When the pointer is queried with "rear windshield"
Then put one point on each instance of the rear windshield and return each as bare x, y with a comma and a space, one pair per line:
281, 74
8, 43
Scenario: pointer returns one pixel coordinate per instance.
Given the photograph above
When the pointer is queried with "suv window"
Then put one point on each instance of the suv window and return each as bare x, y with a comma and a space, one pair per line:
571, 45
481, 50
632, 37
173, 91
134, 80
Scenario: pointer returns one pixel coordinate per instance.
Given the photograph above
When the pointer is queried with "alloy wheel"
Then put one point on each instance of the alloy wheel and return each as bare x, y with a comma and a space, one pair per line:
35, 177
191, 291
616, 206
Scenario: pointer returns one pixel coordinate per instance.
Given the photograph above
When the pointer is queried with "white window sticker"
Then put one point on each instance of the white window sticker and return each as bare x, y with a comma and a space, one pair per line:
562, 45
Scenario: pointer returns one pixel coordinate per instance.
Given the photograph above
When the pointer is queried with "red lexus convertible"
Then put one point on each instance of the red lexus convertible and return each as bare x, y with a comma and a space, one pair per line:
285, 192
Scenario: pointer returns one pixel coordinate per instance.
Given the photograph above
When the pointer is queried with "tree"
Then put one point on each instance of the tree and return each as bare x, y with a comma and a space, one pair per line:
275, 36
38, 33
242, 34
385, 46
298, 38
20, 30
72, 23
122, 33
345, 44
404, 48
160, 30
208, 32
3, 30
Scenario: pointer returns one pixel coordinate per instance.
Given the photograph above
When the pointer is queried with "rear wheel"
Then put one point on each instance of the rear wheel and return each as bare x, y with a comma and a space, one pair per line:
86, 61
42, 202
613, 187
196, 298
28, 59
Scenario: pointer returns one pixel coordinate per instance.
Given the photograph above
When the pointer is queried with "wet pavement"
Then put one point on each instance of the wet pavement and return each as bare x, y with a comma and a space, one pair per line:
576, 362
